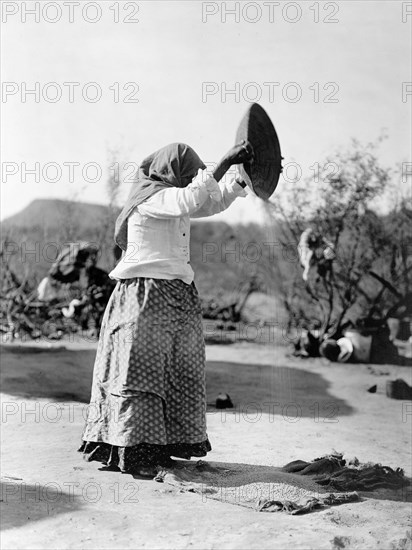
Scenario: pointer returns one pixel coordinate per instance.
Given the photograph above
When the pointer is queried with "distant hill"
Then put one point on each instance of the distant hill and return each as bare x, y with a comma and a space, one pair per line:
50, 213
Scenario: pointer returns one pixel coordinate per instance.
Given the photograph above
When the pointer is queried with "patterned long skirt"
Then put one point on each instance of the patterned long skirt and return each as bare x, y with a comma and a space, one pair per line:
148, 399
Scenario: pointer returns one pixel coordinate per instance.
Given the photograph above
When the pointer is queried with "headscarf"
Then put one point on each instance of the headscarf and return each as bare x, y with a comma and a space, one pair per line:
172, 166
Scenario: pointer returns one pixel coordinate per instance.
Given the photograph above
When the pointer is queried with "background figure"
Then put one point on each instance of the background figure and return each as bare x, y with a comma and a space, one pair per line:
83, 288
313, 250
361, 347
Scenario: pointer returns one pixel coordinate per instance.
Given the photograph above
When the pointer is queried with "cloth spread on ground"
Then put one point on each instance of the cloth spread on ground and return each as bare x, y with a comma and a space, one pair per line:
270, 489
228, 485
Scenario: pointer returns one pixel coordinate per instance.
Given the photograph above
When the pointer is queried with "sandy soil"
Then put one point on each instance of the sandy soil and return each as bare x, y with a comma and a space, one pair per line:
286, 409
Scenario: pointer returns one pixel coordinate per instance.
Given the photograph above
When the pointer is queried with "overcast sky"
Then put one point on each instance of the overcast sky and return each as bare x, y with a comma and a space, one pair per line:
321, 83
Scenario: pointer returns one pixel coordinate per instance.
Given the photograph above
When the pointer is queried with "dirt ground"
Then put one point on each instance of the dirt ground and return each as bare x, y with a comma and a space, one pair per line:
285, 409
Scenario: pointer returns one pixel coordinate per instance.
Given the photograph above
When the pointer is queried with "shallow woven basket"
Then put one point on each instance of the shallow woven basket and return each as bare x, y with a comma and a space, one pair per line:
262, 174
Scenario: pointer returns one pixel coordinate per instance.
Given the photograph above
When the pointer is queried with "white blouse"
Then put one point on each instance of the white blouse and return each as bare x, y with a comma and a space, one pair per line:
159, 230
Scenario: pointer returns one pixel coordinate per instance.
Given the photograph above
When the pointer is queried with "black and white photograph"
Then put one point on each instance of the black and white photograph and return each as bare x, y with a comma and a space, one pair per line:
206, 275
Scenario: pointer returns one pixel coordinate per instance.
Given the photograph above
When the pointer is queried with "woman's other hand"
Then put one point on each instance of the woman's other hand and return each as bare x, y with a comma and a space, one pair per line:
208, 182
213, 189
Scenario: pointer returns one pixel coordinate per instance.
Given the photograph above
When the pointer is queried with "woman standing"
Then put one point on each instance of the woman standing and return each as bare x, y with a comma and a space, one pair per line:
148, 399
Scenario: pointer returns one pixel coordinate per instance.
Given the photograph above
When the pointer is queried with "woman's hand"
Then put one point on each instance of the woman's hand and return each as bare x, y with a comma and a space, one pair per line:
242, 152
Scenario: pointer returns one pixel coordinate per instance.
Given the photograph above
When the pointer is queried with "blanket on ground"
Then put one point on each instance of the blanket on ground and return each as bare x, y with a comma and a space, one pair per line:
333, 472
298, 488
